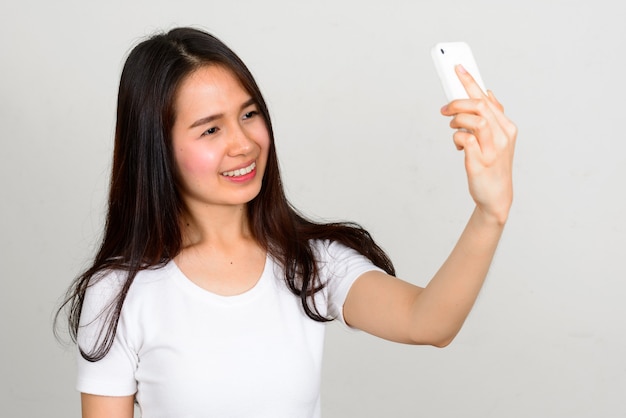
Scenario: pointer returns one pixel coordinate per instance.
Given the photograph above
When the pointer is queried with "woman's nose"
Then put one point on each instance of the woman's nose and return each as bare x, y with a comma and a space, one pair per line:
240, 142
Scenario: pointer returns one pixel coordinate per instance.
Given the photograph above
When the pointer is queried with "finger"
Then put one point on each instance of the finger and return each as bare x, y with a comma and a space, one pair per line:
499, 108
475, 106
466, 141
479, 126
471, 86
484, 108
460, 138
495, 101
475, 124
507, 125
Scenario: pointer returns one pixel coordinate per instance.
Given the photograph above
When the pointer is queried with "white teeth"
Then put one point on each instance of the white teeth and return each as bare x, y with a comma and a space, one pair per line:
240, 172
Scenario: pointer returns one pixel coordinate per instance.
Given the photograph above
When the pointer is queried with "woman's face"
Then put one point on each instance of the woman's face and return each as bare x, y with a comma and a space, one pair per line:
220, 140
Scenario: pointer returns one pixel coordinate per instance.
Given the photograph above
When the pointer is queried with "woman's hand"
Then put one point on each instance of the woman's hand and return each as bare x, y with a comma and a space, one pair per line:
488, 138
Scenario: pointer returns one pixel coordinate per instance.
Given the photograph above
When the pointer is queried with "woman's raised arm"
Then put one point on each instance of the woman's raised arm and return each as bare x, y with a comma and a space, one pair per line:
399, 311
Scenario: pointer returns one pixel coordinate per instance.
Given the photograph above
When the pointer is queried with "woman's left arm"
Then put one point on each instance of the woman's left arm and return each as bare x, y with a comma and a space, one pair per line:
399, 311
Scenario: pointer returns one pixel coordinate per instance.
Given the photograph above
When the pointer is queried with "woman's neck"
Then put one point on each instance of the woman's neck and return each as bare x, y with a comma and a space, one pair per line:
222, 226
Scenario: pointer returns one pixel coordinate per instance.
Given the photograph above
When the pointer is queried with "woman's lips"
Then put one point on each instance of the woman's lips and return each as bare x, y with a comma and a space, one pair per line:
240, 171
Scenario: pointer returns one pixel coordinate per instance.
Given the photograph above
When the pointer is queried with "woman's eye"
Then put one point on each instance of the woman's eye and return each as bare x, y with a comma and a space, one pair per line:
250, 114
210, 131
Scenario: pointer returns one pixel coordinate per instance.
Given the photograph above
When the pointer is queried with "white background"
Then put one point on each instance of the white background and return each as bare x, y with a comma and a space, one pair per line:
355, 103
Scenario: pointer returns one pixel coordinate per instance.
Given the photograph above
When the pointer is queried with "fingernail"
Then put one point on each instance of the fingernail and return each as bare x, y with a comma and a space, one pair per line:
462, 69
444, 108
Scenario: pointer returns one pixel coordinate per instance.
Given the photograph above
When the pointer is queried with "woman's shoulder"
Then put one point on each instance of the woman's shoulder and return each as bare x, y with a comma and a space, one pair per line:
327, 250
106, 285
335, 259
112, 280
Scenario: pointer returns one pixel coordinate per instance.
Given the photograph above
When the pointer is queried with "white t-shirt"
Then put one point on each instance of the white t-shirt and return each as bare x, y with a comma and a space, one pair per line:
187, 352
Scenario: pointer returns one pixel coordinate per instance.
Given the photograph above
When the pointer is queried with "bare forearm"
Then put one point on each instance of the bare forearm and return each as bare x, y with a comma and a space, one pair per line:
443, 305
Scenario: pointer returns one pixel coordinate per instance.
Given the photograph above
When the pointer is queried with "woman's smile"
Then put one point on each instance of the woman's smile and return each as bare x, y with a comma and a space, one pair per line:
241, 172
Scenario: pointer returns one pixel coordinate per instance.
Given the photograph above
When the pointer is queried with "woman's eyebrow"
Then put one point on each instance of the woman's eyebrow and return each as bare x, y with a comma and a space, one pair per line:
247, 103
205, 120
211, 118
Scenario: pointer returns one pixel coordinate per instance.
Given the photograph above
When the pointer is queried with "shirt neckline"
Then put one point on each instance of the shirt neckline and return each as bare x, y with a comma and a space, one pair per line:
190, 287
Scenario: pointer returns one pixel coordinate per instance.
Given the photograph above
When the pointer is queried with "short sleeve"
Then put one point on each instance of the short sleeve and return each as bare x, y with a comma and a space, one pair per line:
114, 374
340, 266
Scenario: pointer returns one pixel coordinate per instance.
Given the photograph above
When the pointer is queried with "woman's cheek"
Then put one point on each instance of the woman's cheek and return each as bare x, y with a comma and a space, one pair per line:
197, 163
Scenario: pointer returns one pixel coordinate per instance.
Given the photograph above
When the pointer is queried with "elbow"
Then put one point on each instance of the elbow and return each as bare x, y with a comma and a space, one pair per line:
436, 339
442, 343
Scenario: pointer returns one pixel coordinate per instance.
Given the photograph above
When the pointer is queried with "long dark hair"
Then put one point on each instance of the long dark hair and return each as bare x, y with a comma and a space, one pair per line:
142, 226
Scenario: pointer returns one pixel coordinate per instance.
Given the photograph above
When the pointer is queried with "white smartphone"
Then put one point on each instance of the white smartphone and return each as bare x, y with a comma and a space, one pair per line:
446, 55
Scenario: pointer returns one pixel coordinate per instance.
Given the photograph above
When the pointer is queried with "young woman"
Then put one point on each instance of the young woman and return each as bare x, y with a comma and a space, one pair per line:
209, 293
